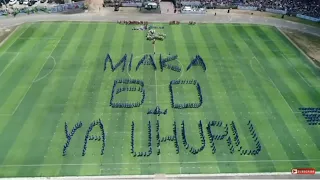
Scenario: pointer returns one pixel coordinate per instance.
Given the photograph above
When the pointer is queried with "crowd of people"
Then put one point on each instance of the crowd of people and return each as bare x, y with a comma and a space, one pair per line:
124, 104
237, 140
141, 154
157, 111
133, 22
164, 63
174, 22
95, 138
172, 138
212, 136
197, 61
147, 60
256, 140
305, 7
114, 67
69, 135
119, 90
185, 105
312, 115
191, 149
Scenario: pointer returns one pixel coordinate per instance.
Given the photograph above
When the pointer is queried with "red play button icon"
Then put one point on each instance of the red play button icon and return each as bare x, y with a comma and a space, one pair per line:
294, 171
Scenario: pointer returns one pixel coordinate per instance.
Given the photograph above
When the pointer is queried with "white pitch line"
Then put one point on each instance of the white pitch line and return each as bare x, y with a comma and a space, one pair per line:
288, 61
257, 72
275, 86
54, 65
155, 75
8, 65
155, 163
15, 30
34, 79
171, 176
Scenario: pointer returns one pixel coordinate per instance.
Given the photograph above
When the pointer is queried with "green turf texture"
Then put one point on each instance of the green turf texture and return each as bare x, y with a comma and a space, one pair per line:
52, 73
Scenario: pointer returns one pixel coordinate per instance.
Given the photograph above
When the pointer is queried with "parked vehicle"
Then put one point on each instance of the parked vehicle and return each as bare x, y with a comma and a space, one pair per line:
43, 1
12, 2
25, 2
20, 1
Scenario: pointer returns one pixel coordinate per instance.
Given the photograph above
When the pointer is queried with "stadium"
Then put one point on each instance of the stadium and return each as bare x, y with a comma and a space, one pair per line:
160, 90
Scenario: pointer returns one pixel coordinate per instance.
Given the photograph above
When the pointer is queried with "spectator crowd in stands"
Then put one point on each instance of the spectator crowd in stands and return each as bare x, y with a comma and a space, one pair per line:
304, 7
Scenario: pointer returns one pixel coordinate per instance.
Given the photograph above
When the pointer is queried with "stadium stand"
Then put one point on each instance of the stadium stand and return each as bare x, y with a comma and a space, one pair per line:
292, 7
304, 7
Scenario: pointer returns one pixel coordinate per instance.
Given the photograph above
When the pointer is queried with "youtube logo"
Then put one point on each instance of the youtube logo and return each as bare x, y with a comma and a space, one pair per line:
294, 171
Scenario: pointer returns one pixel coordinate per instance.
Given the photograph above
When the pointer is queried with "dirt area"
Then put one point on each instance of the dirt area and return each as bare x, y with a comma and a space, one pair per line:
267, 14
310, 44
5, 33
129, 9
255, 13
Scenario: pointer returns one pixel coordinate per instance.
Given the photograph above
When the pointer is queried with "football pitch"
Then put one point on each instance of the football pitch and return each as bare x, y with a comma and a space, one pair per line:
228, 100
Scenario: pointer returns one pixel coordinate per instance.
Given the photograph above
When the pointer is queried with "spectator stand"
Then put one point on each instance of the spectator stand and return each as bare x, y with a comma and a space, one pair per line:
305, 9
55, 9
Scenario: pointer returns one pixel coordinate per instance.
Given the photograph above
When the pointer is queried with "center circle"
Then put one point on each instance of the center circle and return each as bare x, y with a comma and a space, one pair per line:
157, 65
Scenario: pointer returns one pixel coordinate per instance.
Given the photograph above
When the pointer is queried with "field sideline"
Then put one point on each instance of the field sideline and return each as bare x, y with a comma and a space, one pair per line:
52, 73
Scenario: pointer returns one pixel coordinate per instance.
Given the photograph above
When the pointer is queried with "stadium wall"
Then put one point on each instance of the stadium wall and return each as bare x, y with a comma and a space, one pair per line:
308, 18
276, 11
133, 4
193, 12
248, 8
190, 3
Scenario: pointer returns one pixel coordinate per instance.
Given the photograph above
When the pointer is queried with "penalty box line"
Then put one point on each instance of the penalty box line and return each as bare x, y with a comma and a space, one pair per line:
32, 82
275, 86
301, 76
157, 163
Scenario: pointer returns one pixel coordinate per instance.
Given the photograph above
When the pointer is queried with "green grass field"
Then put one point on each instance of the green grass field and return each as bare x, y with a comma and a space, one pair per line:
52, 73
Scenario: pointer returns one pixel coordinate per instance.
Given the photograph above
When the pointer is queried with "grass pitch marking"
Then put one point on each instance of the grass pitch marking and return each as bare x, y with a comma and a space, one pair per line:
156, 163
155, 75
54, 65
275, 86
16, 29
28, 89
172, 176
9, 64
257, 72
31, 83
293, 67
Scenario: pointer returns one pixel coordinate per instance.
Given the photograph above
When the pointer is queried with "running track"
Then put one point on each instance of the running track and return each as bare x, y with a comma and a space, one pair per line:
207, 18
